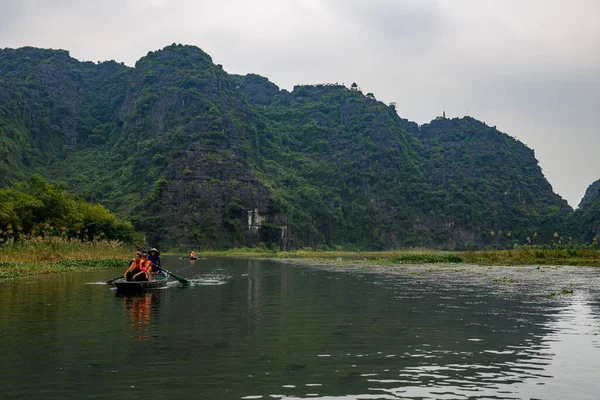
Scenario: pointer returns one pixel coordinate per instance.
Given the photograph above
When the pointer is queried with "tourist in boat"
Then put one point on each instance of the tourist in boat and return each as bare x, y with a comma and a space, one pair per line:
192, 255
144, 269
154, 258
134, 266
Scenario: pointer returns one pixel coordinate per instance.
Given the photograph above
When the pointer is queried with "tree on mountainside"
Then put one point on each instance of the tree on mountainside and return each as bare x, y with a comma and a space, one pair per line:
36, 208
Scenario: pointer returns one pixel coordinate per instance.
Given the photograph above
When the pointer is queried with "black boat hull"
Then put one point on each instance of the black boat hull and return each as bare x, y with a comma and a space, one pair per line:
125, 286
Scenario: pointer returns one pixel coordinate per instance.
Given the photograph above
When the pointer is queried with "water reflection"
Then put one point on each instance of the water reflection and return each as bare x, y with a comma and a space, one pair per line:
140, 309
255, 278
254, 329
536, 368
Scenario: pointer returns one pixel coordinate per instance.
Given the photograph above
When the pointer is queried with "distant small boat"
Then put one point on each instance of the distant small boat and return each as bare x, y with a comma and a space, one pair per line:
192, 257
125, 286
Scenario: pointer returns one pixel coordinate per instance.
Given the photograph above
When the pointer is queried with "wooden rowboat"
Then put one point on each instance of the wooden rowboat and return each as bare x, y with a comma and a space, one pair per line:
125, 286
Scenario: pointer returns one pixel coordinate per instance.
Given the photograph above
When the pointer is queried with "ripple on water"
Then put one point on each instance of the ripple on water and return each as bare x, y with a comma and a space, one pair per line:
210, 280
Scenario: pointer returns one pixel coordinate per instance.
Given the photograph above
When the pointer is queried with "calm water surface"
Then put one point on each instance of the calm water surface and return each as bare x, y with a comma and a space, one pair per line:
250, 329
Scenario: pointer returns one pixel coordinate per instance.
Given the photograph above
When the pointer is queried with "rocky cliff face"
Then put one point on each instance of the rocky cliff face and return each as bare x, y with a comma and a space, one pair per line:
187, 111
489, 185
583, 225
49, 104
197, 157
591, 195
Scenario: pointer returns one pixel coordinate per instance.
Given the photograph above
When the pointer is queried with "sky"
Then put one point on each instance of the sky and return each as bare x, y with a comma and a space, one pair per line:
529, 67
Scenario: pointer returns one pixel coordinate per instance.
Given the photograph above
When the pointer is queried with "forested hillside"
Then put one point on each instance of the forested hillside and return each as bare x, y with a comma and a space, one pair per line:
194, 156
583, 225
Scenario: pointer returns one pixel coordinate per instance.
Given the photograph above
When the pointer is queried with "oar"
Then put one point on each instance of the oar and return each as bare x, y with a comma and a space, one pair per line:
183, 281
114, 279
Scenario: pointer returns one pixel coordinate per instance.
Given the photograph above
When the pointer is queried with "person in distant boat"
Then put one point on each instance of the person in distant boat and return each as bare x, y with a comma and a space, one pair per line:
154, 259
144, 269
134, 266
192, 255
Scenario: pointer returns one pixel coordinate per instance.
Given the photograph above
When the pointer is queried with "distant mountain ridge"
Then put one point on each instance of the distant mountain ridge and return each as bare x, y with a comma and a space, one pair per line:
592, 194
195, 156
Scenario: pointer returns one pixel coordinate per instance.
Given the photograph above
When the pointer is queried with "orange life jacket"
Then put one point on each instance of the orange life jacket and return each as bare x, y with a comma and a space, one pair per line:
135, 266
145, 267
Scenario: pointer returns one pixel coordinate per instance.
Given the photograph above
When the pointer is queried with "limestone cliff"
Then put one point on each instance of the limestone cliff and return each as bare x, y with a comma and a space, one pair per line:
591, 195
196, 157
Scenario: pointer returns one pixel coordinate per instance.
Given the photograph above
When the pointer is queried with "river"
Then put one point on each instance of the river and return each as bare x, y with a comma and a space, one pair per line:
256, 329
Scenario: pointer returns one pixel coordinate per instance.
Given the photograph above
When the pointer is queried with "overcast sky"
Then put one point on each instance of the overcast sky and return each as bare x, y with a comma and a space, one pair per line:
531, 68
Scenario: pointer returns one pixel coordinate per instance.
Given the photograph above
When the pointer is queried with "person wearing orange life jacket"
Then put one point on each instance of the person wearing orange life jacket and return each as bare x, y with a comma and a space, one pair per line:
145, 269
134, 266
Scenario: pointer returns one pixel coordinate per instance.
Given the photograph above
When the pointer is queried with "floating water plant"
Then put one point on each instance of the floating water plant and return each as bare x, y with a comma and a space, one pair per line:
426, 258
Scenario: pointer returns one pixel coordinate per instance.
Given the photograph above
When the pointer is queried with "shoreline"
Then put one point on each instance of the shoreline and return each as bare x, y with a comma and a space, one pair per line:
51, 255
17, 270
23, 264
515, 257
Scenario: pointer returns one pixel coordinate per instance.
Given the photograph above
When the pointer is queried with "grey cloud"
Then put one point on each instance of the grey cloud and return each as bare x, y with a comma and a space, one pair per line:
546, 95
416, 23
10, 15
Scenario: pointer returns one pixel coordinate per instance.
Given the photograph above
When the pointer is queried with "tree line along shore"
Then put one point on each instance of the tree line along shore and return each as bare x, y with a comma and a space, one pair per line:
44, 230
60, 256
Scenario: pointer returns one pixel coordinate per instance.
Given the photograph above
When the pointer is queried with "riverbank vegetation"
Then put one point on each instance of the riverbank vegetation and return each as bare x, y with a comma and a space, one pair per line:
57, 254
525, 255
45, 229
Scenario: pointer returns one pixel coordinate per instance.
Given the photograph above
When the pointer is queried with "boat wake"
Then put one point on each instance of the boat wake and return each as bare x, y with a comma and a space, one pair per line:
209, 280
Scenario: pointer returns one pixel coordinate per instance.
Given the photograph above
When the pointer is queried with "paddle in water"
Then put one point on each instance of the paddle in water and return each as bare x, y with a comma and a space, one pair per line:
110, 282
114, 279
183, 281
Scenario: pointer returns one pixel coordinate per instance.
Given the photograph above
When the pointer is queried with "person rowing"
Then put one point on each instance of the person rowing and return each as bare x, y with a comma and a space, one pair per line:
154, 258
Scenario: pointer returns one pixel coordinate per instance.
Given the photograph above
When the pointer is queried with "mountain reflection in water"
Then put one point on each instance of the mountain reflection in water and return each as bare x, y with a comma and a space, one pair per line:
249, 329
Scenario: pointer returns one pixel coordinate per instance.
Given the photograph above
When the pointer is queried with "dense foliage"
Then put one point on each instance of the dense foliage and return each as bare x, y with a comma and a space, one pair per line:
194, 156
583, 225
37, 209
488, 184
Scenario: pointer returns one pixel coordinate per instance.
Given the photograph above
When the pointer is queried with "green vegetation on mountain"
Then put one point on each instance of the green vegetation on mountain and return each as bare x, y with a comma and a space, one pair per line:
583, 225
194, 156
487, 184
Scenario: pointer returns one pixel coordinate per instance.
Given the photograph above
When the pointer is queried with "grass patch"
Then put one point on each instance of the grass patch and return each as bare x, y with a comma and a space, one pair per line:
520, 256
534, 256
426, 258
57, 255
16, 270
